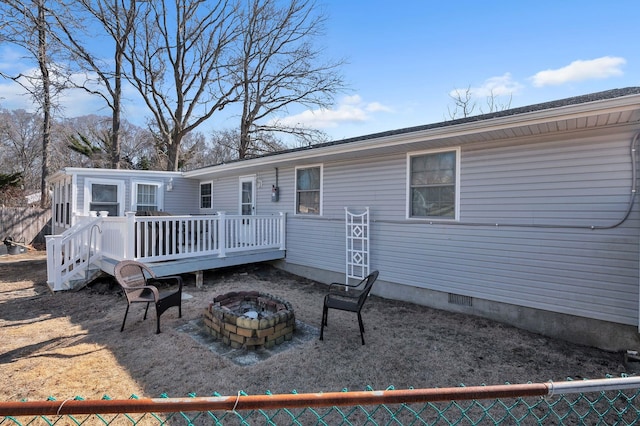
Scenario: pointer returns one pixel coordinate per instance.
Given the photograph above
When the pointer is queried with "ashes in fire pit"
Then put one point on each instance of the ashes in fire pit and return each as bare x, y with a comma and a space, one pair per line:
250, 319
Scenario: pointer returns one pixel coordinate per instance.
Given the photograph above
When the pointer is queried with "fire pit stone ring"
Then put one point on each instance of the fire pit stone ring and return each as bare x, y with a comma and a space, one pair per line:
250, 320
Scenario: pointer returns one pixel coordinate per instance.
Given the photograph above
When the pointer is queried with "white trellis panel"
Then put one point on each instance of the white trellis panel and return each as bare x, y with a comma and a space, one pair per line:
357, 233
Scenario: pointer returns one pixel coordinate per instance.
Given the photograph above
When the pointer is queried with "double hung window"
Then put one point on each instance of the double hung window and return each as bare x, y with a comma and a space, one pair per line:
147, 197
104, 197
206, 195
433, 185
309, 190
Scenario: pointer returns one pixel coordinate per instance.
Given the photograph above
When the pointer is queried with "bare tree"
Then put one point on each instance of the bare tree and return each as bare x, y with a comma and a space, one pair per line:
281, 67
26, 24
117, 19
90, 136
21, 142
180, 63
494, 103
465, 103
228, 145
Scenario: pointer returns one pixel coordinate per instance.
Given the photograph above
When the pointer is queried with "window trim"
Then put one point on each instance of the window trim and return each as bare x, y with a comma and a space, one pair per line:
295, 189
134, 193
456, 217
209, 182
89, 182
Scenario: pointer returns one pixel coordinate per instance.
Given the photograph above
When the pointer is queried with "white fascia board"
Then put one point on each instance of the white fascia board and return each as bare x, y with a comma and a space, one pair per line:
89, 171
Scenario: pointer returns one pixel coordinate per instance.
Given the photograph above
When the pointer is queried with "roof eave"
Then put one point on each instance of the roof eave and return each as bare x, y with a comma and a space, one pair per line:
410, 135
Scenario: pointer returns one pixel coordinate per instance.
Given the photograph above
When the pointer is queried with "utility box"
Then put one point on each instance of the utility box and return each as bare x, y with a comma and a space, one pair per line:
275, 194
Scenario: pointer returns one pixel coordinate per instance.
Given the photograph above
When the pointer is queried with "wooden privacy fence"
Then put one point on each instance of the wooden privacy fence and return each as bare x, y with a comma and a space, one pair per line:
25, 224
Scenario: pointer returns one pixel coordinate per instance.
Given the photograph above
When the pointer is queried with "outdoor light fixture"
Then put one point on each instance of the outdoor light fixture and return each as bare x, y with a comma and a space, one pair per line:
170, 185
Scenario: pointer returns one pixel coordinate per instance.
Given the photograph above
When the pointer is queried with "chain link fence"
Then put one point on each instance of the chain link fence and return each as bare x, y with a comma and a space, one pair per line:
610, 401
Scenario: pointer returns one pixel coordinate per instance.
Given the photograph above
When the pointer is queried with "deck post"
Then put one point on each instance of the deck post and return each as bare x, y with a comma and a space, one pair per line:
283, 224
199, 278
54, 258
130, 236
222, 235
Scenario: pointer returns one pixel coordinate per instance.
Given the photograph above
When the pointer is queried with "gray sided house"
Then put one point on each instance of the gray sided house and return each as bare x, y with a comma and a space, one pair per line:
525, 216
77, 192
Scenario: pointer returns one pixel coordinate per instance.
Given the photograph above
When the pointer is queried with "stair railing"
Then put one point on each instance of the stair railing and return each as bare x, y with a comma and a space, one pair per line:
70, 253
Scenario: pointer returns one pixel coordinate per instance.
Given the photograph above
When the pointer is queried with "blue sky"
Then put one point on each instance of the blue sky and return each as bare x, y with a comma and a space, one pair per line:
405, 58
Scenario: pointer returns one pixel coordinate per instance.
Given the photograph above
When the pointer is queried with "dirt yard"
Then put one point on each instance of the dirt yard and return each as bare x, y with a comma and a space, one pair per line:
69, 344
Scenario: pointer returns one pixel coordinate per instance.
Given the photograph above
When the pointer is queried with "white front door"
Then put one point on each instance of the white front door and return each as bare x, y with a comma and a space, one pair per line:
247, 195
247, 208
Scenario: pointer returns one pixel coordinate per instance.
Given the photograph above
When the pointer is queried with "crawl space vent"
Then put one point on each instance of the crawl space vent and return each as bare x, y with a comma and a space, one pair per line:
458, 299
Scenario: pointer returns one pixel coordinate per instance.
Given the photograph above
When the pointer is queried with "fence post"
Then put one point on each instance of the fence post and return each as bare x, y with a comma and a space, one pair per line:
222, 234
283, 233
130, 236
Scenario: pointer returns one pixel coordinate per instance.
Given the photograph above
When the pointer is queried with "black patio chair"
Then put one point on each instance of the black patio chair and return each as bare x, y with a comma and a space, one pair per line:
345, 297
140, 289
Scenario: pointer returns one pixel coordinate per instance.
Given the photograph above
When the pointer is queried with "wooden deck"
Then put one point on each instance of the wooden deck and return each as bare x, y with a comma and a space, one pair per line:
199, 264
170, 245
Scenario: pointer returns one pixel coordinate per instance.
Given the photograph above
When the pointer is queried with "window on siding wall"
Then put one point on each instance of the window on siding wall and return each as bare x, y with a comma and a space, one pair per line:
308, 190
433, 185
147, 197
206, 195
104, 197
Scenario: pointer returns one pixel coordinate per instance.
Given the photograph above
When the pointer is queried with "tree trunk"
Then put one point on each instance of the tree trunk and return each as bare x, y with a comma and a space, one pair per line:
173, 152
46, 103
115, 118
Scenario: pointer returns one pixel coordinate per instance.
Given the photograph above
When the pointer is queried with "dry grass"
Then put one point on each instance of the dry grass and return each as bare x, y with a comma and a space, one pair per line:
69, 344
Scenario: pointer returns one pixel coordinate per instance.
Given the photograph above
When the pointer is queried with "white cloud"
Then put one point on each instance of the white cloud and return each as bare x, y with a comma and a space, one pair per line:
599, 68
503, 85
351, 109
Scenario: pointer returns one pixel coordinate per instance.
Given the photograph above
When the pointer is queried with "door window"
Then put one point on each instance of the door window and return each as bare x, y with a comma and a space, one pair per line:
247, 196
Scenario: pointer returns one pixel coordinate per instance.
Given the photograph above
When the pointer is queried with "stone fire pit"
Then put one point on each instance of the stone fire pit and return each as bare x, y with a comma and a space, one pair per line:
250, 320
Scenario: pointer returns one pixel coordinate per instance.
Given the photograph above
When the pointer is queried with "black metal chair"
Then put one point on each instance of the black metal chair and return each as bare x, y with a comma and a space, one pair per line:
139, 289
345, 297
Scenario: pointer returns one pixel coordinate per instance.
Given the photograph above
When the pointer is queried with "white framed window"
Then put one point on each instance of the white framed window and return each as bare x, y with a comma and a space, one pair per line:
104, 195
146, 196
309, 190
206, 195
433, 184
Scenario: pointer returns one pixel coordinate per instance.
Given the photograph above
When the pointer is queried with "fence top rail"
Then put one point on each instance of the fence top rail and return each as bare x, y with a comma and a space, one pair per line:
274, 401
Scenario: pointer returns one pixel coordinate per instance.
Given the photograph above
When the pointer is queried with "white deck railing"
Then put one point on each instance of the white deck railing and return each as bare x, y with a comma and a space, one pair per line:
161, 238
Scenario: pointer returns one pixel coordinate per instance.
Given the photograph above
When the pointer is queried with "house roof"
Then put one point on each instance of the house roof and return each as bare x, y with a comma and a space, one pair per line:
90, 171
602, 109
